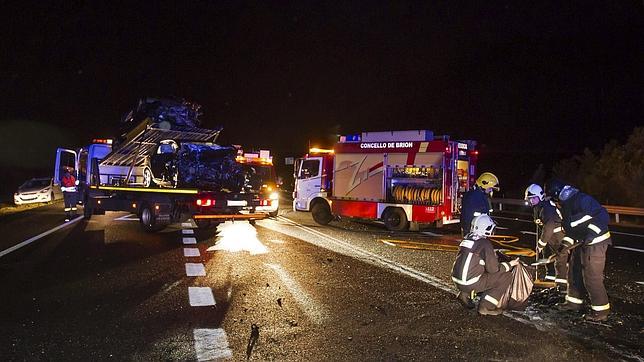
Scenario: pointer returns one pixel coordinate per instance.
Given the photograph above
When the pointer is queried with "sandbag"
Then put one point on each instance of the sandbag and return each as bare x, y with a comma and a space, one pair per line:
516, 296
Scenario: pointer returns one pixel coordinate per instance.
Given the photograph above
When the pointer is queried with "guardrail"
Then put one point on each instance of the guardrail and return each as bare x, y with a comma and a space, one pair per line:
612, 209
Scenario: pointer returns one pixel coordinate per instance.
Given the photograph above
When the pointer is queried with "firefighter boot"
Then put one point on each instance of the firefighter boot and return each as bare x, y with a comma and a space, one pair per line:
568, 307
596, 316
484, 310
465, 300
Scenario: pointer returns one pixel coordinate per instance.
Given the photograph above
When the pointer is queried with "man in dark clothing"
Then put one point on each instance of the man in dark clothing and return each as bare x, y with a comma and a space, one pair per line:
476, 201
477, 269
547, 216
585, 221
68, 186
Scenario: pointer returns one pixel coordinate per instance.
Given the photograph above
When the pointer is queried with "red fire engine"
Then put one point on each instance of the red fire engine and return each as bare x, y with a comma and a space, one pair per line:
403, 178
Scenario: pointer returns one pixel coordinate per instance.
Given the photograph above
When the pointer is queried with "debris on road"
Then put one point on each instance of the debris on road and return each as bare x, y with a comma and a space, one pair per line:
252, 340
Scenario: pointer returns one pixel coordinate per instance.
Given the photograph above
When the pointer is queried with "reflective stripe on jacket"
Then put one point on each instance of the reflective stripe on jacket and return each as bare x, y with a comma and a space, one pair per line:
585, 219
474, 258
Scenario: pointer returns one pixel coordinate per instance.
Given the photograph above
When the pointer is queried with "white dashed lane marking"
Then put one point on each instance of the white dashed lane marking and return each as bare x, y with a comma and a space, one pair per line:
187, 225
211, 344
201, 296
189, 241
195, 270
187, 252
187, 231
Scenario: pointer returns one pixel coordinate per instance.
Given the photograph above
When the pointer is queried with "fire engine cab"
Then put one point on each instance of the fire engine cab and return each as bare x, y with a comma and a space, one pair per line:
403, 178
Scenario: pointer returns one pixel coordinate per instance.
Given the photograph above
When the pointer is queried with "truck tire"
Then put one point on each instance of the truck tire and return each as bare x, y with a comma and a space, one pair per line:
395, 219
321, 213
149, 219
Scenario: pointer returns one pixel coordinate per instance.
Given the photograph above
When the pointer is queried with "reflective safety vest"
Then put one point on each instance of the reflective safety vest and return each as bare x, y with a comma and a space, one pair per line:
68, 183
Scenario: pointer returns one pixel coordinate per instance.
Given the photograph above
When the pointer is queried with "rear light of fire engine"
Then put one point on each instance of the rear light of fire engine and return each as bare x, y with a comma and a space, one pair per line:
264, 202
205, 202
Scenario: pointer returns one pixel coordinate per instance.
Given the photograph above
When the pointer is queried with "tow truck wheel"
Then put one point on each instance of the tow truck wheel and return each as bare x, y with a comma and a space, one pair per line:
395, 219
149, 219
321, 213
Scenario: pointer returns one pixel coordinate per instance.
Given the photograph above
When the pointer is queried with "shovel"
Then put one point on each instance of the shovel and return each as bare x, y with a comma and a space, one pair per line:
553, 257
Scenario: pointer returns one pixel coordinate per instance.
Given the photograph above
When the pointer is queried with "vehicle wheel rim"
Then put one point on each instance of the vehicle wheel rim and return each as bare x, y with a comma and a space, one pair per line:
147, 178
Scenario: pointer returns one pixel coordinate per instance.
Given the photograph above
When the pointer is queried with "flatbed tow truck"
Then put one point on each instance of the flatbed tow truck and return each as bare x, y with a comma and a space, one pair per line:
118, 179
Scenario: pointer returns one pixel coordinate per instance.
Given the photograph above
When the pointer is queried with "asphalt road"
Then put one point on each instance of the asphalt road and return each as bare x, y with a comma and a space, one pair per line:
284, 289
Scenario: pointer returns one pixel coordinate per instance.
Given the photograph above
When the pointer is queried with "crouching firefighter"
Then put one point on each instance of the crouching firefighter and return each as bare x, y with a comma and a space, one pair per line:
585, 223
68, 186
477, 269
548, 217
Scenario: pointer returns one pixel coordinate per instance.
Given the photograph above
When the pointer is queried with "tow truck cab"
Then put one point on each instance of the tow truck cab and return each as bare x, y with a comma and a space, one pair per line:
261, 175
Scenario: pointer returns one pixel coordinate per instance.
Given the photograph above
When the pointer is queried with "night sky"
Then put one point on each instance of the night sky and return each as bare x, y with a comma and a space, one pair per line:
519, 77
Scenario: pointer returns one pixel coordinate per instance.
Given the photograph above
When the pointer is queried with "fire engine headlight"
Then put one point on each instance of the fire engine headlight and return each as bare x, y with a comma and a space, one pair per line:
274, 196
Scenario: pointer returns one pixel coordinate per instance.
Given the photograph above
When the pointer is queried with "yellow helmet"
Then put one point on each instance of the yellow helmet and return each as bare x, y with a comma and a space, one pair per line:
488, 180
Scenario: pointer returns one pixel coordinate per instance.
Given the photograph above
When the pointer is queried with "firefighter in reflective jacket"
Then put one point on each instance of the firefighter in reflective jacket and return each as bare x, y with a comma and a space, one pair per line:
476, 201
68, 186
477, 269
548, 217
585, 221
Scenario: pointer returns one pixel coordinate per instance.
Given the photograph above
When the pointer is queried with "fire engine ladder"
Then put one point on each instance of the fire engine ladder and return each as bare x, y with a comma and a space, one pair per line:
141, 141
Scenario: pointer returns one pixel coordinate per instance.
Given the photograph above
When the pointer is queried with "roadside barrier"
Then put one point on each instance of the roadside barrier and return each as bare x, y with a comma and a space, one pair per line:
520, 207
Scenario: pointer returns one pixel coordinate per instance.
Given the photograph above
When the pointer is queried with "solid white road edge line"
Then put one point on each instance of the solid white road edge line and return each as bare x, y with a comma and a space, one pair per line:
314, 311
375, 259
39, 236
211, 344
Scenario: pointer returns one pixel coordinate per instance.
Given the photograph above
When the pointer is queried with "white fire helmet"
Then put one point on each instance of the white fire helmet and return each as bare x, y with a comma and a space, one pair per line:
482, 225
532, 191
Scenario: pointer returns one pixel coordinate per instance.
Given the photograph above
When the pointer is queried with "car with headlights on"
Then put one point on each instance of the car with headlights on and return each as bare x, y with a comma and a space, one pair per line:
37, 190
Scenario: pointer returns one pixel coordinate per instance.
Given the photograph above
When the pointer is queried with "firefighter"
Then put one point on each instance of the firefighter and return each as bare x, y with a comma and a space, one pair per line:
476, 201
68, 186
548, 217
585, 222
477, 269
